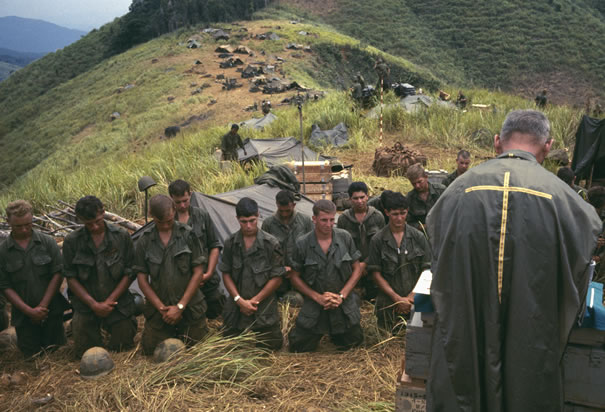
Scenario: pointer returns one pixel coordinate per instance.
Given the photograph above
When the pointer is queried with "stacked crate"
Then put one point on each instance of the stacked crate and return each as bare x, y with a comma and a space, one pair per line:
318, 178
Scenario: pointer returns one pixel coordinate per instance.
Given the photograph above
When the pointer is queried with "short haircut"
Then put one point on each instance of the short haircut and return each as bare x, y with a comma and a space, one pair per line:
18, 208
415, 171
178, 188
234, 127
464, 154
596, 196
284, 197
160, 206
566, 175
395, 201
384, 195
246, 207
89, 207
527, 122
357, 187
323, 205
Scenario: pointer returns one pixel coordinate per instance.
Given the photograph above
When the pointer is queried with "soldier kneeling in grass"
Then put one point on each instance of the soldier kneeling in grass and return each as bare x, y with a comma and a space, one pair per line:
169, 261
252, 267
398, 254
98, 267
325, 269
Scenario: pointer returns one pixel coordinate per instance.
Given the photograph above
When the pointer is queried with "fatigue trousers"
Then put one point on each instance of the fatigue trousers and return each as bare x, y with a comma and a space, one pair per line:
215, 301
158, 331
306, 340
33, 338
269, 337
86, 328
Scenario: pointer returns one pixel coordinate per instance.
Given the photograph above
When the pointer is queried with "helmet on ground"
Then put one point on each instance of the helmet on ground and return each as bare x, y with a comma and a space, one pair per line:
95, 362
167, 348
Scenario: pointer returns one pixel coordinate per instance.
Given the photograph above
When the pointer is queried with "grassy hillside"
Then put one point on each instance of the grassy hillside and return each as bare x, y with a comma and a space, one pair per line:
514, 45
70, 128
6, 69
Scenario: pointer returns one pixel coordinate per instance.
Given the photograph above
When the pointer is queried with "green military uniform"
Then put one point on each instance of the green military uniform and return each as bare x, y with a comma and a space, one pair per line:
287, 234
362, 233
581, 191
170, 269
4, 322
376, 203
326, 273
399, 265
229, 144
99, 271
449, 178
204, 229
28, 272
251, 270
419, 208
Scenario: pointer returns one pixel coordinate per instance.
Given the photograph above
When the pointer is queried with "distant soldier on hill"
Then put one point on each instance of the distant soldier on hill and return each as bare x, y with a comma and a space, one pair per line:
383, 71
541, 99
358, 86
461, 101
230, 142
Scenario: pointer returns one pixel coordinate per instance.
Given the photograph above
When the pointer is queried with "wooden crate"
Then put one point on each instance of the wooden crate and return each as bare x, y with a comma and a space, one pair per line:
315, 171
584, 375
410, 393
418, 351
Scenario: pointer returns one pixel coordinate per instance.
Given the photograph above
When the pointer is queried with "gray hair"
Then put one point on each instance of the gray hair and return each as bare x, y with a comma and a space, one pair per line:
528, 122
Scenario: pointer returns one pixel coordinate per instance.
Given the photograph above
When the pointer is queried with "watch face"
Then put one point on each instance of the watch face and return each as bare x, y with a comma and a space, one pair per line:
180, 306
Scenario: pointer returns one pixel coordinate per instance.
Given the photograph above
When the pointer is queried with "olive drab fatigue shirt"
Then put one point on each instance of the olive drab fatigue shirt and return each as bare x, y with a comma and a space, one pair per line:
251, 270
203, 227
170, 269
230, 142
287, 234
327, 273
418, 208
449, 178
29, 271
400, 265
362, 232
101, 269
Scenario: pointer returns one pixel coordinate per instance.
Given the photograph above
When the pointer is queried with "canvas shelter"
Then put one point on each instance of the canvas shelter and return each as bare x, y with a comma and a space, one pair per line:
589, 150
276, 151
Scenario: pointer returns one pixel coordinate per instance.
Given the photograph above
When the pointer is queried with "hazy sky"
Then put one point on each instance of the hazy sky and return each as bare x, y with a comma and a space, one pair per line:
74, 14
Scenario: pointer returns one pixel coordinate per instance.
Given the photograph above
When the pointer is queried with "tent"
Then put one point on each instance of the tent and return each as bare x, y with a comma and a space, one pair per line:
412, 104
276, 151
259, 123
589, 151
337, 136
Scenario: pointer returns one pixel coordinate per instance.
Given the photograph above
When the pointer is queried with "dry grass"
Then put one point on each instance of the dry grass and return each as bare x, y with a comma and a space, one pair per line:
219, 374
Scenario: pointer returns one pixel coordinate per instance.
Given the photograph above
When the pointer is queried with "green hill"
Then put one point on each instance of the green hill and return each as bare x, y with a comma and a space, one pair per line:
514, 45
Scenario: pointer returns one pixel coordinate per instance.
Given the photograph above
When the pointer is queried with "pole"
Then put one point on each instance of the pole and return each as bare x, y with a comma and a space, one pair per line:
146, 206
302, 144
591, 173
381, 106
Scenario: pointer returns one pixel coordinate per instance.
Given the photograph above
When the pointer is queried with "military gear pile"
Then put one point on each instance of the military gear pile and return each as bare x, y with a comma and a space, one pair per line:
394, 161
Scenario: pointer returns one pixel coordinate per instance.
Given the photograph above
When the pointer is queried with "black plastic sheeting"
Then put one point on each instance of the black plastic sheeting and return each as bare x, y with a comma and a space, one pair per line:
276, 151
589, 150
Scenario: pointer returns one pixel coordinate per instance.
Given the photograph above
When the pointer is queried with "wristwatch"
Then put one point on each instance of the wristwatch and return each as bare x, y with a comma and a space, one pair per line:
180, 306
235, 299
341, 296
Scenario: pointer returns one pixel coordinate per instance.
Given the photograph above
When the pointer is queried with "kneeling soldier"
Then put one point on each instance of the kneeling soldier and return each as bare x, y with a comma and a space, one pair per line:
168, 263
398, 254
98, 267
325, 269
30, 277
252, 267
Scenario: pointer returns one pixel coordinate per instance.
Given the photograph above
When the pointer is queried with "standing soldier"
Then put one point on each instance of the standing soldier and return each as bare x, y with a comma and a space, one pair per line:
230, 142
362, 222
383, 71
398, 254
325, 269
30, 277
98, 267
252, 267
168, 263
199, 220
287, 225
541, 100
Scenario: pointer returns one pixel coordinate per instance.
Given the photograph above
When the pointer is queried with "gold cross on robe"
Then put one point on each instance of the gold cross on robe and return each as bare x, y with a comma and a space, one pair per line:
505, 189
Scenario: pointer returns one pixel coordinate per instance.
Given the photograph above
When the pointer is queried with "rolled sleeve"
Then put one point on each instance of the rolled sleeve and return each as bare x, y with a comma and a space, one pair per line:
129, 258
277, 267
57, 258
198, 257
212, 240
